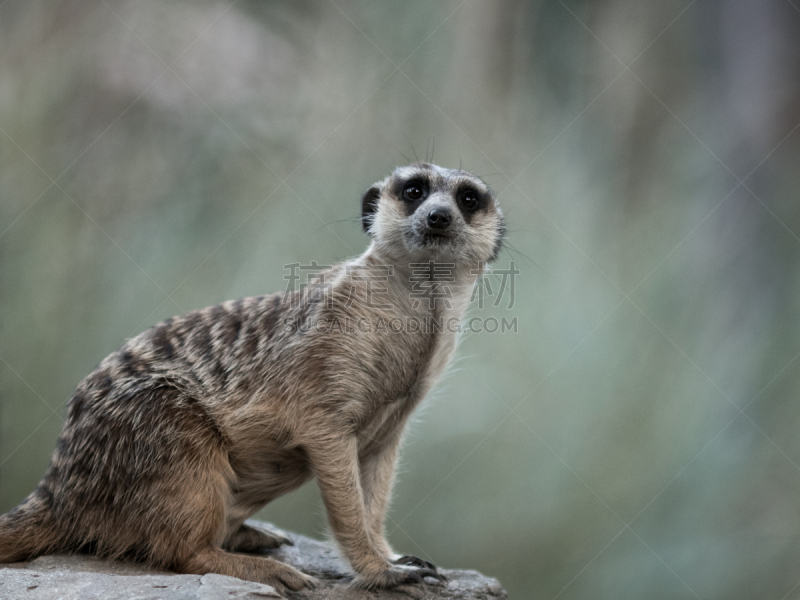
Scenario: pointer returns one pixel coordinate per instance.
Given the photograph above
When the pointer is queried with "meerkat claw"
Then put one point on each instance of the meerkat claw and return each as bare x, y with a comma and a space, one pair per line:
416, 561
421, 573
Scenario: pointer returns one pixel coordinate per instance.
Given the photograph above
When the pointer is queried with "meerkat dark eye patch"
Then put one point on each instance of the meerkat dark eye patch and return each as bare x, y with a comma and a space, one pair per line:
369, 206
414, 191
470, 201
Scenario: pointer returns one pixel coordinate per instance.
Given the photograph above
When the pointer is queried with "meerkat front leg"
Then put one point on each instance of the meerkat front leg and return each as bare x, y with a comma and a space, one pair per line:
377, 479
335, 463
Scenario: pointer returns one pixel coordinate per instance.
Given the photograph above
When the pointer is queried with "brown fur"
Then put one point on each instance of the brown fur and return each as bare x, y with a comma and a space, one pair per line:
197, 423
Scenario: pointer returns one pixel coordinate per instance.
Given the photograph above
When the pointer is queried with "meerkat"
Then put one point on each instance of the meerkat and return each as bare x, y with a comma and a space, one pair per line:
197, 423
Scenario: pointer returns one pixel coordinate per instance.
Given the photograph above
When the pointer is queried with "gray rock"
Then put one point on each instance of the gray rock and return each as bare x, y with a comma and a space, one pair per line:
83, 577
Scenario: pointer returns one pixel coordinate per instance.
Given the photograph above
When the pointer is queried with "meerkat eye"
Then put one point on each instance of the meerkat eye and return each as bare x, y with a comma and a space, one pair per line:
469, 201
413, 191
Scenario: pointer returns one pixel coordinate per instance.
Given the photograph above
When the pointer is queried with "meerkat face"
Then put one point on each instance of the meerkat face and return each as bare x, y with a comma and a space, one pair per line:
426, 212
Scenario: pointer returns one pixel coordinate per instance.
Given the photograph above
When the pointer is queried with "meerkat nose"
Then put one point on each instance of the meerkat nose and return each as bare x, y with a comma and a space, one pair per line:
439, 218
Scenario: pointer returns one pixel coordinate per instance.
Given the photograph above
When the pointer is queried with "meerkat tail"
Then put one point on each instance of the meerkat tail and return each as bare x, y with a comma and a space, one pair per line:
28, 531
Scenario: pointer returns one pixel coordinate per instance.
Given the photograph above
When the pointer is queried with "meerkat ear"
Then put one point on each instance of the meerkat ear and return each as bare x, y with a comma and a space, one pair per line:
369, 205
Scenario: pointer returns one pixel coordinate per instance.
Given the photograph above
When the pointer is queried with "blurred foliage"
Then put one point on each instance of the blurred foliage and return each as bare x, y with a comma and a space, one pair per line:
637, 438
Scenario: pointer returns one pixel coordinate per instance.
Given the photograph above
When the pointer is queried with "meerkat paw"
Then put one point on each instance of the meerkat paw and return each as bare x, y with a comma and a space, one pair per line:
286, 578
250, 538
420, 562
417, 562
399, 574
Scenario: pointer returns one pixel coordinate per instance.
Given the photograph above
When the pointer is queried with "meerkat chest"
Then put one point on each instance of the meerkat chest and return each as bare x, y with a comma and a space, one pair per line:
441, 332
413, 382
442, 348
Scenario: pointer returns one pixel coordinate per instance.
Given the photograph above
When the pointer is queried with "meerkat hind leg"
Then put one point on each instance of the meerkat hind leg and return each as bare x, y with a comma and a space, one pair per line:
248, 538
260, 569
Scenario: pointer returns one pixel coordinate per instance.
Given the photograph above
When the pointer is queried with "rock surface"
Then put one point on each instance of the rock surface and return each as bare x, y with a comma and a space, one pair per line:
85, 577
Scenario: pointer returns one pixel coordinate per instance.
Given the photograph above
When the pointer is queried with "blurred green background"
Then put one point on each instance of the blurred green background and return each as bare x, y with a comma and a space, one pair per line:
638, 436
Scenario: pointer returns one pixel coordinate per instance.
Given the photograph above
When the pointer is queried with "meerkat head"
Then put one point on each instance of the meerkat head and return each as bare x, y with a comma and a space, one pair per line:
426, 212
